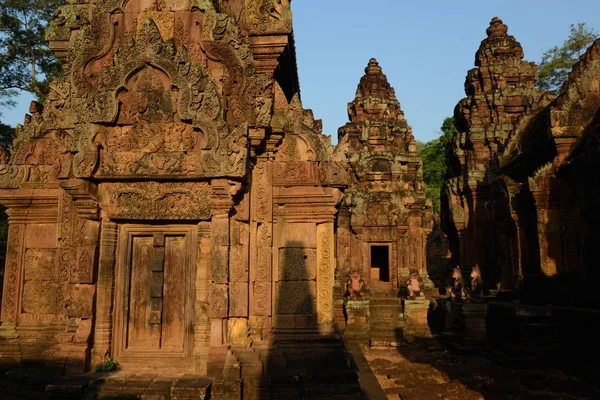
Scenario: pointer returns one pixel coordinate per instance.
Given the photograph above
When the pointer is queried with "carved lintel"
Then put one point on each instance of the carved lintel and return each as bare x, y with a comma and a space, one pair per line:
155, 200
85, 197
303, 204
30, 205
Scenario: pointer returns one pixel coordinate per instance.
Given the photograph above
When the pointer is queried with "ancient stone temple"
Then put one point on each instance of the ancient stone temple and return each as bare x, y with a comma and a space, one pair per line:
500, 96
521, 198
172, 205
384, 218
383, 221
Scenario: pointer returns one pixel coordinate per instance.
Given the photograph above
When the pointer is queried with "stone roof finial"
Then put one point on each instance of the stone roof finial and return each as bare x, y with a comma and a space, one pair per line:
496, 28
373, 68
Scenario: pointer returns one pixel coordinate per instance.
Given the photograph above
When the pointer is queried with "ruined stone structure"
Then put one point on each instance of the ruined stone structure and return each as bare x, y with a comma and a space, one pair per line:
500, 93
172, 204
521, 195
384, 219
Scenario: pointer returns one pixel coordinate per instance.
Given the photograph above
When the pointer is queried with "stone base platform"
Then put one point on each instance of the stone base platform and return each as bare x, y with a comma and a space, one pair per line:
386, 320
146, 385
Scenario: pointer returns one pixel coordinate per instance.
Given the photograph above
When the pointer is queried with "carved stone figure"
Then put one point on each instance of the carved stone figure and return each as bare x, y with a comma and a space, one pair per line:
457, 290
415, 285
476, 292
355, 286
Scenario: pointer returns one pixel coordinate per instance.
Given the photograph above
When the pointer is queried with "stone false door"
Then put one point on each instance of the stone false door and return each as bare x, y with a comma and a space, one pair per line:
154, 295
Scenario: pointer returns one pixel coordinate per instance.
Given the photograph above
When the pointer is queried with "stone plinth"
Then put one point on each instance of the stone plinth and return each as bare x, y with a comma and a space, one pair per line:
521, 333
415, 313
475, 315
358, 317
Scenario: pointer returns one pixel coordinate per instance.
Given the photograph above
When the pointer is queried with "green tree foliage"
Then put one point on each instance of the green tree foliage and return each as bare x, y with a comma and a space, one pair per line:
433, 154
26, 62
6, 135
558, 61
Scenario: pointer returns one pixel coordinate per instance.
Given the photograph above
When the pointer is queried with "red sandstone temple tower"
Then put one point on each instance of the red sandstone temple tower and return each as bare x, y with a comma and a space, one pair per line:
500, 96
383, 222
172, 204
522, 180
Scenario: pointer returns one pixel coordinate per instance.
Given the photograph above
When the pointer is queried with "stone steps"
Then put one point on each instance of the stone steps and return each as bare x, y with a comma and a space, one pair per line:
386, 318
386, 301
380, 313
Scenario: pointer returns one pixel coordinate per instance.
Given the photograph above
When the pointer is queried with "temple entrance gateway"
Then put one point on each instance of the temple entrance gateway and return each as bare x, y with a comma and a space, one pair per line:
380, 264
154, 294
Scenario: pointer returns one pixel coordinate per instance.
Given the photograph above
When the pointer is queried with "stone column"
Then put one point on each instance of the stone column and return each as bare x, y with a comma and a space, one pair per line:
460, 232
415, 252
219, 273
261, 242
219, 301
549, 235
517, 262
343, 239
401, 246
202, 325
343, 267
105, 291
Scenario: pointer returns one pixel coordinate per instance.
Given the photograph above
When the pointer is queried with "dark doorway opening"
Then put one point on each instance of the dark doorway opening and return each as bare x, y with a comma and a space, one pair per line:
380, 262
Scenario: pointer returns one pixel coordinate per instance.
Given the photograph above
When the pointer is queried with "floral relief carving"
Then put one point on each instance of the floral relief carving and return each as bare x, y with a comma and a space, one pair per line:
153, 200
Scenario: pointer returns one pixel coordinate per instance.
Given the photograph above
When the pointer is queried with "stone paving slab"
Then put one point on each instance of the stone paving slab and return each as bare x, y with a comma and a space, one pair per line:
422, 372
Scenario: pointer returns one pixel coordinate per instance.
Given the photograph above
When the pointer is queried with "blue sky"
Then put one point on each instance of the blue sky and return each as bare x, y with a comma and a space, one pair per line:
424, 47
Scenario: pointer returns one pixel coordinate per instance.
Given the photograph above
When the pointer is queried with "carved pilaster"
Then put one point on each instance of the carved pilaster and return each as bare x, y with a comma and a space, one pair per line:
261, 240
325, 273
105, 291
548, 221
203, 283
12, 275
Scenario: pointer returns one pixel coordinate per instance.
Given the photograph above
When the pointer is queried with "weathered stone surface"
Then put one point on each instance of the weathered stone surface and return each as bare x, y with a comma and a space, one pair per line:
81, 300
296, 297
299, 235
238, 299
174, 195
41, 236
297, 264
40, 297
40, 264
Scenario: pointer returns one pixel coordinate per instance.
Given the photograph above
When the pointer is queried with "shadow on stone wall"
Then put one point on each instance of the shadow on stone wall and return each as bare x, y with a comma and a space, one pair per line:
303, 362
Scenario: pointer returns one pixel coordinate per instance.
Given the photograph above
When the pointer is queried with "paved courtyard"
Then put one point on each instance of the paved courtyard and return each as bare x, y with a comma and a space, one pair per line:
418, 372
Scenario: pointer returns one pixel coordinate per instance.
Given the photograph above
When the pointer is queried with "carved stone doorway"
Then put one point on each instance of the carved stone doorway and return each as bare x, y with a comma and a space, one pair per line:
380, 274
154, 295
